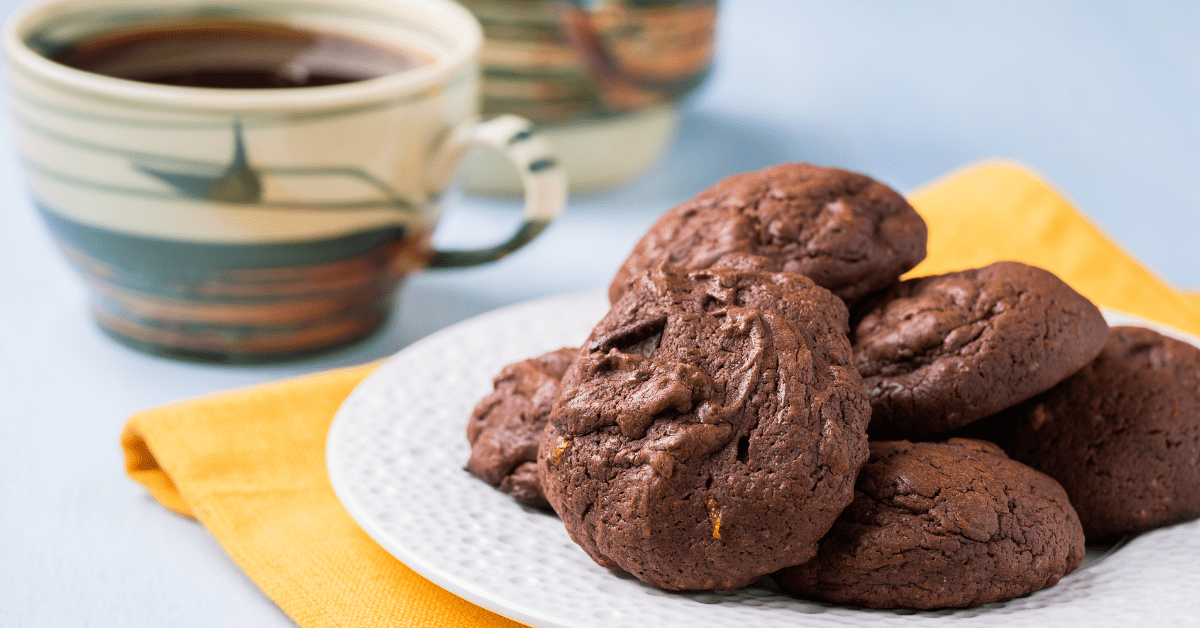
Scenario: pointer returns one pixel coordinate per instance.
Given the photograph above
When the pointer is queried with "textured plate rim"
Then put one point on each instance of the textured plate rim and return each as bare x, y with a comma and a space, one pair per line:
344, 490
480, 595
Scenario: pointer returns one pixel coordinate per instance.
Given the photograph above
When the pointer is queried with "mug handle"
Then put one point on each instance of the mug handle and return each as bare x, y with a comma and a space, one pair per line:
542, 176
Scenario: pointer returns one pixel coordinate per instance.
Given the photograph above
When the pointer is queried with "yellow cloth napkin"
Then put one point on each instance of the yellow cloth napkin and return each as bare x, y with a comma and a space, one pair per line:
996, 211
250, 465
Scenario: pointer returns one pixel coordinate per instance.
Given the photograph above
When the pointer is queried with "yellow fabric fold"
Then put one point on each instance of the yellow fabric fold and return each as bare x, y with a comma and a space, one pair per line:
250, 465
995, 211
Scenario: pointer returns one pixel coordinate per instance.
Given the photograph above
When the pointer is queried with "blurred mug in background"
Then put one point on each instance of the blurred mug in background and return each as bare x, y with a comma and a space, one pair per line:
603, 78
251, 180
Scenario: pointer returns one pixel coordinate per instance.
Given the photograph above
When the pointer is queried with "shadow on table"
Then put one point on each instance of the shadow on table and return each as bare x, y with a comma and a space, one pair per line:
707, 148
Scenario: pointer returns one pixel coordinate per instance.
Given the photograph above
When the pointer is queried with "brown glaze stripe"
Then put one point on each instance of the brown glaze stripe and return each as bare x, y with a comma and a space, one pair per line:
220, 341
88, 265
289, 313
394, 260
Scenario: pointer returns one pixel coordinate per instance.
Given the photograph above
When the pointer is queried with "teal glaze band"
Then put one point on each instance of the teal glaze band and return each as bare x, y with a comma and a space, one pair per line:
155, 259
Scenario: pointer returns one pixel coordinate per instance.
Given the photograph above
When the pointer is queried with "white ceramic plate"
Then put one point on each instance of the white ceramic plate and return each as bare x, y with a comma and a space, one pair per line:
395, 455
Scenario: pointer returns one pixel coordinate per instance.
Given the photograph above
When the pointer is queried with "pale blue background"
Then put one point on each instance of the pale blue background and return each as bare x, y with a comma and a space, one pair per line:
1101, 97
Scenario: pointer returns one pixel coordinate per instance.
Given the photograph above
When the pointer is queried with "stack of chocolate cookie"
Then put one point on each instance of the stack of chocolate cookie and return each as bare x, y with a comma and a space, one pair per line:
714, 427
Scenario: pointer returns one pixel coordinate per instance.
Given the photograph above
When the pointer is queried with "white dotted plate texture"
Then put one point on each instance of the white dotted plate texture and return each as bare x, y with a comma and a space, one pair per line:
396, 452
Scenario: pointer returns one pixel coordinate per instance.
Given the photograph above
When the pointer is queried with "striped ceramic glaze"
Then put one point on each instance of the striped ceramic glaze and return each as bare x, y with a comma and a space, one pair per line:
606, 77
256, 224
558, 61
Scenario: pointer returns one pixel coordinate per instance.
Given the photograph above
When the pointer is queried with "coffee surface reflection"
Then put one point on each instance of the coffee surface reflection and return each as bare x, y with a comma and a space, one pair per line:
239, 54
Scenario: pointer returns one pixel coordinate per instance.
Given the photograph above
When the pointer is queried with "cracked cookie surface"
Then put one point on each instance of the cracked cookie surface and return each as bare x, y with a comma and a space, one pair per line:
937, 525
1122, 435
712, 430
939, 352
846, 231
505, 425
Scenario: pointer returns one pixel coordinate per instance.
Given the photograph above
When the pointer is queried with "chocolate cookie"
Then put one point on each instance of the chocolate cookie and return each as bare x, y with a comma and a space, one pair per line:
938, 525
505, 426
712, 430
848, 232
1122, 435
936, 353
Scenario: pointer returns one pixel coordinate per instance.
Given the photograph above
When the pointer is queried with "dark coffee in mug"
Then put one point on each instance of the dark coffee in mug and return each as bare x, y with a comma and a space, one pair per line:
234, 53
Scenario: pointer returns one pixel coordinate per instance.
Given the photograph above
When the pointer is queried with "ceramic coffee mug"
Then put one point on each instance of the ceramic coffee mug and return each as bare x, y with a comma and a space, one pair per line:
605, 80
250, 224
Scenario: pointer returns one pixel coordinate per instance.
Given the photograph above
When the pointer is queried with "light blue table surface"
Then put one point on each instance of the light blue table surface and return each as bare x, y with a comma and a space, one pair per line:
1103, 98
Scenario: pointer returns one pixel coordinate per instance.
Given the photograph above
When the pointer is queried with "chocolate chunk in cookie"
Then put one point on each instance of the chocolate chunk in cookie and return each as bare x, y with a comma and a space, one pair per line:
1122, 435
939, 352
505, 426
938, 525
846, 231
712, 430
